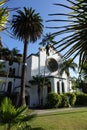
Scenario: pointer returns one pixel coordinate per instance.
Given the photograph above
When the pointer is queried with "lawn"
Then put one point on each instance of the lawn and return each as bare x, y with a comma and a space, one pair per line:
61, 120
66, 120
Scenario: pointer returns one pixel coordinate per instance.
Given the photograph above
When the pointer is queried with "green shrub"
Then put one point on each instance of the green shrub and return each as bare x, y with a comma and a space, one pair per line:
10, 116
71, 98
53, 100
64, 101
81, 99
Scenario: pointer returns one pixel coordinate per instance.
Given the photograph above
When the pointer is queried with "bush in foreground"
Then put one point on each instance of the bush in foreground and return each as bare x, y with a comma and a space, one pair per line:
10, 116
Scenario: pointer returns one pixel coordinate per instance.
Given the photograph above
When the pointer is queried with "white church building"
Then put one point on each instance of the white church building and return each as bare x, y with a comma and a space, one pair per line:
40, 64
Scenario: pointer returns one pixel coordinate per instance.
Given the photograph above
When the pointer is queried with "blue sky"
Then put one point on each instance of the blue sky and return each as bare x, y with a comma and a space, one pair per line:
44, 8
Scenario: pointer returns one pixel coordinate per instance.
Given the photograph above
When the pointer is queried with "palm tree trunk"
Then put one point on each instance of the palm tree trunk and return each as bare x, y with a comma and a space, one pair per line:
23, 79
44, 81
39, 94
9, 127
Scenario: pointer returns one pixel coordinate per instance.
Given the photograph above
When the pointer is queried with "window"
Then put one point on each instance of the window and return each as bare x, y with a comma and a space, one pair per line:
10, 71
58, 87
10, 63
13, 71
9, 87
49, 88
52, 64
63, 87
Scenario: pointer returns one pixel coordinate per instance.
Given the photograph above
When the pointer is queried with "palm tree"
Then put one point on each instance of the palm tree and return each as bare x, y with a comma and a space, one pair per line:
5, 53
47, 41
75, 27
41, 82
2, 65
27, 27
66, 65
1, 43
83, 71
4, 14
2, 72
15, 56
10, 116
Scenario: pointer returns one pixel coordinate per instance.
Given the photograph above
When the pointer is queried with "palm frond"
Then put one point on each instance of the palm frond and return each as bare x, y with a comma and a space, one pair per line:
75, 28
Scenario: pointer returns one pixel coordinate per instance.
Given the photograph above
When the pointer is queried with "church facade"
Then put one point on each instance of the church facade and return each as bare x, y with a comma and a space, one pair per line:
44, 63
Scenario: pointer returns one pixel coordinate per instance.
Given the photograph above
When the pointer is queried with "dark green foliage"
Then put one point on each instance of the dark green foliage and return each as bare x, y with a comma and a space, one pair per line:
81, 99
10, 116
27, 25
24, 127
64, 101
71, 98
53, 100
47, 38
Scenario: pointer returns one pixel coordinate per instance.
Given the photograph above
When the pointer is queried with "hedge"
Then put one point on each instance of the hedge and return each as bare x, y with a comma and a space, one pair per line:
81, 99
53, 100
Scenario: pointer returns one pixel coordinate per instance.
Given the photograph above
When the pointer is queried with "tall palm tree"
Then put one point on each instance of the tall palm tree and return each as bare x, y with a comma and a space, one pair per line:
27, 26
74, 26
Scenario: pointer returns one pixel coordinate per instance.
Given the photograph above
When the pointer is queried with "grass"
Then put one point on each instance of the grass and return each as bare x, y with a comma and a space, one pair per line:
61, 120
66, 120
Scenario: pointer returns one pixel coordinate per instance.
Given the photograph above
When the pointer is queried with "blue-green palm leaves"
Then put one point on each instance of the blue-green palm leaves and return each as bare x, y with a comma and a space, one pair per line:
75, 28
4, 14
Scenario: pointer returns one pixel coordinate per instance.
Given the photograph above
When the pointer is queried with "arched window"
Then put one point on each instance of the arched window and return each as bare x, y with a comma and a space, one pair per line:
9, 89
58, 87
63, 90
10, 62
49, 87
13, 71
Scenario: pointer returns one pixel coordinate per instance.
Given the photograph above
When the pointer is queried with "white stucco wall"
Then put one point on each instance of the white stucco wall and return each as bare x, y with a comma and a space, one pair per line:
36, 65
4, 86
32, 66
33, 97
